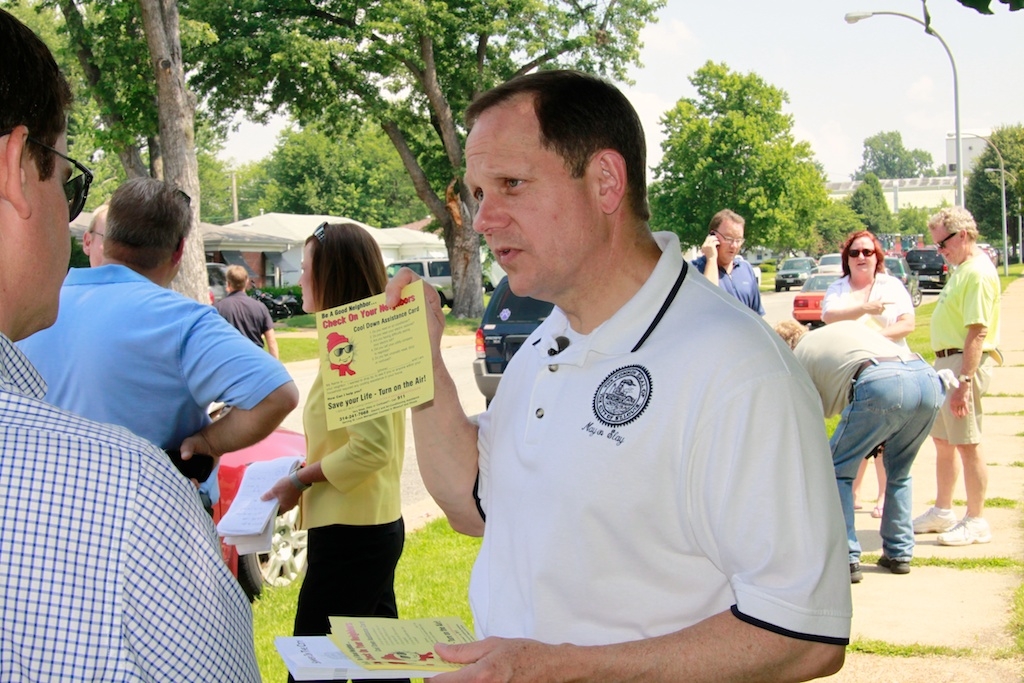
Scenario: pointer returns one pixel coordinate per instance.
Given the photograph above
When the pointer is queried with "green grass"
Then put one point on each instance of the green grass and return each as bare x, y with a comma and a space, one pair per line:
432, 580
884, 649
960, 563
293, 349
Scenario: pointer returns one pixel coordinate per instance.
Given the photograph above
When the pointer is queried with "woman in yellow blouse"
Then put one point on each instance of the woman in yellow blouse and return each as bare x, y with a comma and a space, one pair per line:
349, 492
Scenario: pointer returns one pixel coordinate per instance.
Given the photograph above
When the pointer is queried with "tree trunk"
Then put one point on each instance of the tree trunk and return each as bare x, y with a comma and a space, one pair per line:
176, 107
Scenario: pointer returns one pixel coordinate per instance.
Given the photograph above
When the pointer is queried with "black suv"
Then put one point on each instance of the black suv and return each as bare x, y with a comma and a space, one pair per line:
930, 266
507, 322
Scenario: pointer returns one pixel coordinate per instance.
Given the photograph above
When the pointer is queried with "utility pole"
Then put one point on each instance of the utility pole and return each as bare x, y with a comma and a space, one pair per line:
234, 197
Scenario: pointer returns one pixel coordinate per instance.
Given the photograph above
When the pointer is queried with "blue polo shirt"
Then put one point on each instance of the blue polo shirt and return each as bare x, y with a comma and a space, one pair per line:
126, 351
741, 283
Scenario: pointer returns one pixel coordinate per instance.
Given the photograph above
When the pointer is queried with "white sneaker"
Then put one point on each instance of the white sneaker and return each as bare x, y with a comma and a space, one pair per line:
935, 521
969, 530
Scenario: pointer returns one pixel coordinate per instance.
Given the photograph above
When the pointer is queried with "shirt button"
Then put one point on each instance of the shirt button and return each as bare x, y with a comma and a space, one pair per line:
540, 412
553, 368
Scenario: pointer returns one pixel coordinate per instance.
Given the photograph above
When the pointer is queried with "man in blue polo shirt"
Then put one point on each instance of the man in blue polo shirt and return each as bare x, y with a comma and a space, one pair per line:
733, 274
126, 349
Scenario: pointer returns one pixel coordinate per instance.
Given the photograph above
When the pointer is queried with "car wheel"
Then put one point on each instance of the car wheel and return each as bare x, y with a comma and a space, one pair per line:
778, 287
916, 297
444, 299
249, 576
286, 560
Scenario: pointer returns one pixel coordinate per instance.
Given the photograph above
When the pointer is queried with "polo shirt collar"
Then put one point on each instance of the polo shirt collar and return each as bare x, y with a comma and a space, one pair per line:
625, 329
104, 275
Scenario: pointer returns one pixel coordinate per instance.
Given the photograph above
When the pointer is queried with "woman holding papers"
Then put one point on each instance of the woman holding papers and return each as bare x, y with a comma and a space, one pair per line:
349, 493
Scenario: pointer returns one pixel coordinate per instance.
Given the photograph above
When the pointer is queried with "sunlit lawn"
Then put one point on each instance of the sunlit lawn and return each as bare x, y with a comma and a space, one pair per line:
432, 580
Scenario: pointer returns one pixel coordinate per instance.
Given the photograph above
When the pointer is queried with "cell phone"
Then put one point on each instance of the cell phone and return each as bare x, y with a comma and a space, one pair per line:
198, 467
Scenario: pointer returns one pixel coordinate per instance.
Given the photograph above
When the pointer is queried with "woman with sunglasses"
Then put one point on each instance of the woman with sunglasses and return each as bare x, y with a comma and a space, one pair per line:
349, 492
868, 294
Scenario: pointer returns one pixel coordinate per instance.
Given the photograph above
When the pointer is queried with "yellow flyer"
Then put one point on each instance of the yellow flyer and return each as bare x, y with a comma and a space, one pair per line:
379, 643
374, 360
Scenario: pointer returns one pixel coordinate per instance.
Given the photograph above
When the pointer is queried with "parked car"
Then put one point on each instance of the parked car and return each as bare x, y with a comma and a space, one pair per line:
930, 266
286, 560
830, 264
807, 304
793, 272
217, 275
436, 272
898, 267
507, 322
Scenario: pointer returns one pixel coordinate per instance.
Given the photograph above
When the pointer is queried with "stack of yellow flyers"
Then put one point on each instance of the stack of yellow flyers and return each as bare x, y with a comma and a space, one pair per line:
396, 644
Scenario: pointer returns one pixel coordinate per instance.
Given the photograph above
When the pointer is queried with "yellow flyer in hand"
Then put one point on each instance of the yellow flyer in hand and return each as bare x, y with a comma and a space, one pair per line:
380, 643
375, 360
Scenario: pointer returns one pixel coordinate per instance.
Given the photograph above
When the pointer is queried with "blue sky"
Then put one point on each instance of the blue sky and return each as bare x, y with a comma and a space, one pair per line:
845, 82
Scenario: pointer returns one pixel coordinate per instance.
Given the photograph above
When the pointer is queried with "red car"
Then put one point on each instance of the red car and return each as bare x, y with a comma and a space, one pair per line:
807, 304
287, 558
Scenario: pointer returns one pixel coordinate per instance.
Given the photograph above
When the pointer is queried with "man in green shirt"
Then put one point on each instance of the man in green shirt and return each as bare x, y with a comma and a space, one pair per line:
964, 336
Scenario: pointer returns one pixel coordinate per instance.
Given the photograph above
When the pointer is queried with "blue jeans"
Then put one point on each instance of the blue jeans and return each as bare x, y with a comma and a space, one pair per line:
892, 403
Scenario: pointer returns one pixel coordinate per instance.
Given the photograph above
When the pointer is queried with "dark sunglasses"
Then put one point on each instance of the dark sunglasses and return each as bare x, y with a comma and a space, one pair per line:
855, 253
942, 243
320, 233
76, 189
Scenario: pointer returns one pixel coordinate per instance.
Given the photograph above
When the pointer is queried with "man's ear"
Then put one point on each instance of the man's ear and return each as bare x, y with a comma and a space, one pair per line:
611, 179
14, 178
178, 253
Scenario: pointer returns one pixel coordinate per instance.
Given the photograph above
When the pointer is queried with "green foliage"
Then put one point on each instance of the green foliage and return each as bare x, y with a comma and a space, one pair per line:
869, 203
913, 220
983, 5
983, 193
79, 259
886, 157
732, 147
360, 177
835, 223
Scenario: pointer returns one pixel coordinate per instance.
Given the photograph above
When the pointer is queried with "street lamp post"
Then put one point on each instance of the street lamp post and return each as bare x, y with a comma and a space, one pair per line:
854, 17
1020, 245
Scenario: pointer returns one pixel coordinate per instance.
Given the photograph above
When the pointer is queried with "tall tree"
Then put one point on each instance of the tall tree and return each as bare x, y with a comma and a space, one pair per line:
176, 107
886, 157
983, 5
868, 201
360, 177
983, 194
732, 147
835, 223
410, 67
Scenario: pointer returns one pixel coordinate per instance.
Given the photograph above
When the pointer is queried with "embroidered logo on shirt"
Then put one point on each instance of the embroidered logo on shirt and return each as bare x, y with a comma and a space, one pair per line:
623, 396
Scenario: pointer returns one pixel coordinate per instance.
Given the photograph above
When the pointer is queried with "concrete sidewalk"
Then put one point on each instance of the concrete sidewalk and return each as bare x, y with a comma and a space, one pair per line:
968, 610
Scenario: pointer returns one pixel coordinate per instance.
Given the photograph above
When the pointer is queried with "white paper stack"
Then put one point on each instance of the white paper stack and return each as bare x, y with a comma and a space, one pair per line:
316, 658
249, 522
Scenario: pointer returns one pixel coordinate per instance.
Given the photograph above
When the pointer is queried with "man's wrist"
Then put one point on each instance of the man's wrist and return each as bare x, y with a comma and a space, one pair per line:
300, 485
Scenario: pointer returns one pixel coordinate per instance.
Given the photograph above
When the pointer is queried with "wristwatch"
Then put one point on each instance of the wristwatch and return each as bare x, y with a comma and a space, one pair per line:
964, 379
296, 482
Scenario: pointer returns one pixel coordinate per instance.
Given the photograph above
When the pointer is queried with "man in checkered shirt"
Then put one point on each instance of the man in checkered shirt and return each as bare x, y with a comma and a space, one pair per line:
110, 568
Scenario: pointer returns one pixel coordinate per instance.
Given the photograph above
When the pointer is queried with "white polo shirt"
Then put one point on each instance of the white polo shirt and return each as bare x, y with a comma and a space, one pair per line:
631, 492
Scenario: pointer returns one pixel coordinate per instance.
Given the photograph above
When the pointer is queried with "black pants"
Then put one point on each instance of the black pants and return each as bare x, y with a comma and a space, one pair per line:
350, 572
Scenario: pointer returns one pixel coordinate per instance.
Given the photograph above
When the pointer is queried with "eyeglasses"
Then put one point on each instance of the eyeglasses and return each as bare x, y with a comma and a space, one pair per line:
320, 233
188, 200
855, 253
735, 241
76, 189
942, 243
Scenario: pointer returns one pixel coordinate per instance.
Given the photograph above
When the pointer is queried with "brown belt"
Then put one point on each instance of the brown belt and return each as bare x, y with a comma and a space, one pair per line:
943, 353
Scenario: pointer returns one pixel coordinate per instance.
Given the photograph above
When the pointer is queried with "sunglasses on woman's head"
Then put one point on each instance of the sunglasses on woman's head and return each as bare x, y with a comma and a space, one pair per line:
76, 189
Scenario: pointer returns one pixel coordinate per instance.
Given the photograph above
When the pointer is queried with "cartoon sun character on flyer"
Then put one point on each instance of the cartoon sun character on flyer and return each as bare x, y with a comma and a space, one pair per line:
406, 657
341, 352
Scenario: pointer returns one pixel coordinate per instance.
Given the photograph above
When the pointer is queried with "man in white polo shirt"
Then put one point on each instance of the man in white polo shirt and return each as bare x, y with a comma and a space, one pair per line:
652, 477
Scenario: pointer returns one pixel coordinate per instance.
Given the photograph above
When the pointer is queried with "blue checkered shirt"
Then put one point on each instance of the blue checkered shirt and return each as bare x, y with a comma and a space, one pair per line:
110, 569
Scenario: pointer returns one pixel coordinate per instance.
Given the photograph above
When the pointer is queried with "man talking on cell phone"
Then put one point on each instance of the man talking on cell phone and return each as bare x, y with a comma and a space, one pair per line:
722, 248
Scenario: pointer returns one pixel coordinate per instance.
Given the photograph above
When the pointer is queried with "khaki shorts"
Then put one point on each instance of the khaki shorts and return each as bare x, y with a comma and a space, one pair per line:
967, 429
